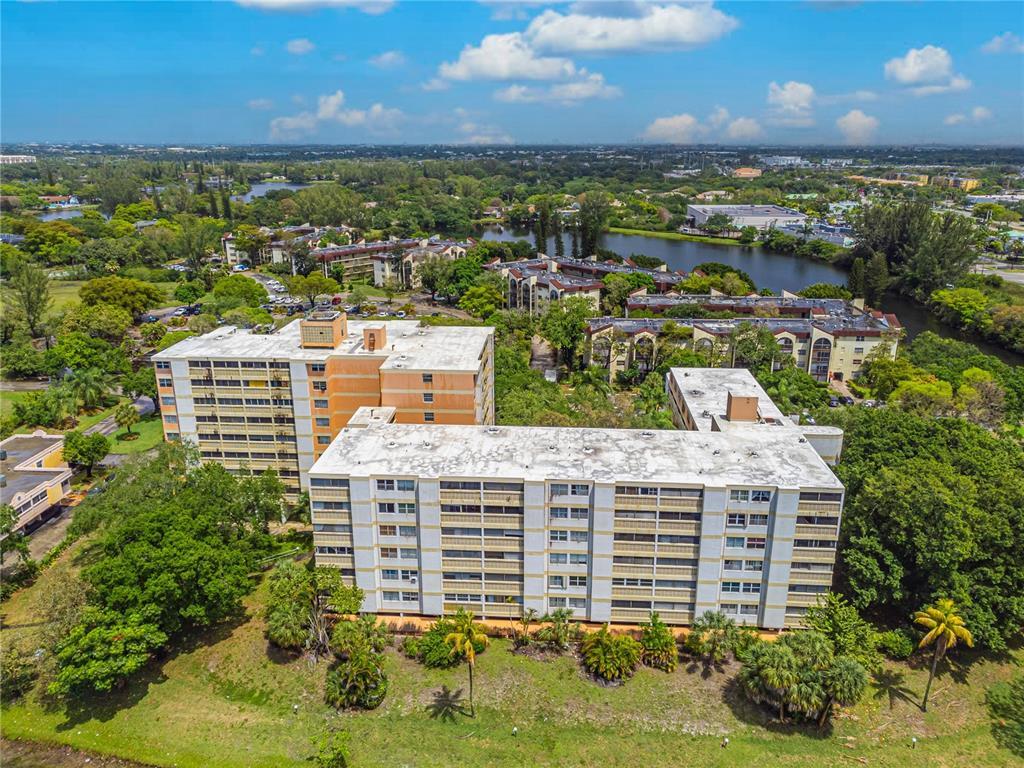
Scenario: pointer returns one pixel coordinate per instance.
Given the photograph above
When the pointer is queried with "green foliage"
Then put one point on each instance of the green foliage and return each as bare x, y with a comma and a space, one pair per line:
310, 286
481, 301
559, 630
28, 287
563, 324
610, 657
842, 626
1006, 708
21, 361
126, 416
333, 751
106, 321
86, 451
358, 682
104, 649
18, 672
91, 387
290, 588
825, 291
133, 296
712, 638
171, 338
618, 287
793, 389
239, 290
191, 291
658, 644
79, 351
932, 509
432, 650
362, 634
896, 644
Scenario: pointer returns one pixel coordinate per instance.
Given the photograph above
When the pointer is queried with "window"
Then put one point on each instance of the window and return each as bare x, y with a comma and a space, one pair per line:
317, 367
736, 520
388, 530
170, 418
392, 597
319, 403
558, 558
558, 536
391, 552
459, 485
753, 565
405, 485
577, 581
633, 490
556, 602
166, 400
166, 383
809, 589
459, 531
820, 496
408, 553
406, 508
559, 513
323, 439
733, 565
644, 537
410, 575
407, 530
332, 528
759, 520
577, 602
756, 542
748, 610
858, 350
385, 509
819, 567
319, 386
428, 378
163, 365
559, 489
860, 338
328, 482
428, 416
579, 489
462, 576
576, 559
385, 485
465, 554
814, 543
579, 536
556, 582
323, 421
428, 397
674, 584
752, 588
761, 497
739, 495
334, 550
664, 538
731, 586
579, 513
389, 573
632, 582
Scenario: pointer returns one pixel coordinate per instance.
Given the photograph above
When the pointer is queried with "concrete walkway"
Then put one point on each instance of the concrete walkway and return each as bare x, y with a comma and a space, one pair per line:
109, 425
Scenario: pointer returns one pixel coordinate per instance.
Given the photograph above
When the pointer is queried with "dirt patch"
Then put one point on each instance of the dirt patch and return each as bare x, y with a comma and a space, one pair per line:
35, 754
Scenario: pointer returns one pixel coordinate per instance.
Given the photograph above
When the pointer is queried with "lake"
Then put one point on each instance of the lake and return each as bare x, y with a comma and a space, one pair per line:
260, 189
777, 271
59, 213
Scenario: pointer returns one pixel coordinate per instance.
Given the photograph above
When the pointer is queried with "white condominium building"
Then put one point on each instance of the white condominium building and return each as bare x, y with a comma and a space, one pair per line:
609, 523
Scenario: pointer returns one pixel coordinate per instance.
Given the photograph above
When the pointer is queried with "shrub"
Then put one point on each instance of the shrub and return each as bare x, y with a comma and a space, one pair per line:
361, 634
17, 673
712, 638
610, 657
896, 644
358, 682
287, 612
659, 645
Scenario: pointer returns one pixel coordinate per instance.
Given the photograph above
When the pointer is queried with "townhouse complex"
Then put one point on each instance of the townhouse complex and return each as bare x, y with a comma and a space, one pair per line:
255, 401
736, 511
34, 478
827, 338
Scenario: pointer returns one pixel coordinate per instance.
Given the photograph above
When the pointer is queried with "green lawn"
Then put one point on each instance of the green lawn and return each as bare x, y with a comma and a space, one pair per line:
677, 236
228, 700
150, 433
65, 292
7, 401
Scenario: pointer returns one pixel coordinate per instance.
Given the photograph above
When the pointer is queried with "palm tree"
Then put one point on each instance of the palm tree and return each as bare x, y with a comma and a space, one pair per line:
125, 416
844, 682
463, 641
945, 630
90, 387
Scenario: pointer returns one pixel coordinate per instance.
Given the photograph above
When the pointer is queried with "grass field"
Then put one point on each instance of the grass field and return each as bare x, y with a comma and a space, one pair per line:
7, 401
150, 433
229, 700
678, 236
65, 292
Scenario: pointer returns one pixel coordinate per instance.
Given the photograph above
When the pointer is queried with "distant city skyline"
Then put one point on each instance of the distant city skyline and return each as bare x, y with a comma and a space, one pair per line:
485, 73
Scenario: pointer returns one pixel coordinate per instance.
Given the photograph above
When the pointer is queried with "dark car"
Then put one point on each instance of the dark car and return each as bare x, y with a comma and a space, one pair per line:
846, 400
833, 402
150, 318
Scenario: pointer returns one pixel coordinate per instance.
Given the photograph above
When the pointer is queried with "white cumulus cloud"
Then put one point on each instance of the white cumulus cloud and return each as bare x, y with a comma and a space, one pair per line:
955, 119
926, 71
300, 46
377, 119
677, 129
294, 127
791, 104
744, 129
978, 114
718, 117
649, 26
592, 86
260, 104
388, 60
1007, 42
857, 127
506, 57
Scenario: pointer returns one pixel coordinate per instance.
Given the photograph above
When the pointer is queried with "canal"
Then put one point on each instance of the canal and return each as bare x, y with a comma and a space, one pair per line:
777, 271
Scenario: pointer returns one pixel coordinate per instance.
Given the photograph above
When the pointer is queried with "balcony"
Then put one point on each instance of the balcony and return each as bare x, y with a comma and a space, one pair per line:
679, 550
631, 615
800, 598
627, 525
810, 577
506, 498
643, 571
681, 504
460, 564
817, 531
623, 501
828, 507
456, 497
459, 542
640, 548
511, 588
503, 544
457, 518
683, 527
631, 593
503, 566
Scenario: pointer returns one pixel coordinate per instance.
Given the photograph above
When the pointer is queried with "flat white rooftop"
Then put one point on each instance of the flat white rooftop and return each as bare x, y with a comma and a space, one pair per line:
705, 391
752, 456
409, 345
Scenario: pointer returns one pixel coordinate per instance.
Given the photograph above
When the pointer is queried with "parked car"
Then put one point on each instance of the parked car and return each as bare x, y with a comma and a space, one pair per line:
240, 268
180, 311
846, 400
149, 318
400, 314
833, 402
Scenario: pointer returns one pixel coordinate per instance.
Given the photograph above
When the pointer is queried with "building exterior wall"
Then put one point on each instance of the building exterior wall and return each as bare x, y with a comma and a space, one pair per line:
606, 551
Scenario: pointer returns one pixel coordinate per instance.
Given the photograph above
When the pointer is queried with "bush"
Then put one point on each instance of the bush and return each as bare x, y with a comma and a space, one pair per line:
362, 634
358, 682
17, 674
431, 650
896, 644
610, 657
659, 645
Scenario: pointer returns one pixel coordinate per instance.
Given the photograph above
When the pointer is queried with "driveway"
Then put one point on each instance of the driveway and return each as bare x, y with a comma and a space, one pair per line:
108, 425
22, 386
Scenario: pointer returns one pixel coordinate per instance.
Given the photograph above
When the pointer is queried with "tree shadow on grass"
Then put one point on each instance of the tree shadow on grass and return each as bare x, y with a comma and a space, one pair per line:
890, 684
446, 705
82, 708
756, 714
706, 666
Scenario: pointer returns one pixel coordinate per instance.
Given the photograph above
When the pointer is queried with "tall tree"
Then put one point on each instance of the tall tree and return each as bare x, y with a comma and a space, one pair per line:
575, 242
855, 282
876, 280
126, 416
30, 287
556, 231
593, 216
463, 642
945, 630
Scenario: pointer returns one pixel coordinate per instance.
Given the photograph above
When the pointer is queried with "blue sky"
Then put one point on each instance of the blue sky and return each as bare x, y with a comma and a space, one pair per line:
373, 71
